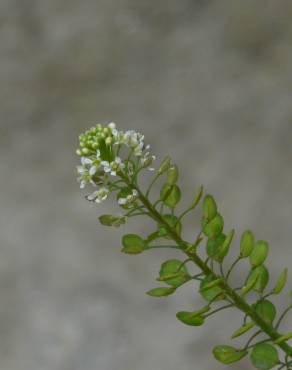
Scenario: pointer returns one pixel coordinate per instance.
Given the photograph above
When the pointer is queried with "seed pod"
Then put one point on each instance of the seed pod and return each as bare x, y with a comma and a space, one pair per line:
213, 245
173, 273
259, 253
246, 244
133, 244
214, 227
164, 166
281, 282
170, 195
260, 276
189, 319
212, 284
243, 329
228, 355
264, 356
215, 293
250, 282
198, 197
209, 207
161, 292
266, 310
172, 222
223, 250
172, 175
110, 220
283, 338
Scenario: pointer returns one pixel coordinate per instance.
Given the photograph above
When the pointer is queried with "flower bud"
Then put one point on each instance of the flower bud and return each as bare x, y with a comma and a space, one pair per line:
227, 354
133, 244
172, 175
209, 207
259, 253
281, 282
246, 244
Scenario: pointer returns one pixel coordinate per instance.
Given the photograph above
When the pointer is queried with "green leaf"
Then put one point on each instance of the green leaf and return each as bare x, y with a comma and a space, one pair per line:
173, 273
243, 329
261, 275
110, 220
246, 244
264, 356
281, 282
170, 195
209, 207
227, 354
213, 292
214, 228
259, 253
172, 222
213, 245
161, 292
172, 175
266, 310
133, 244
189, 318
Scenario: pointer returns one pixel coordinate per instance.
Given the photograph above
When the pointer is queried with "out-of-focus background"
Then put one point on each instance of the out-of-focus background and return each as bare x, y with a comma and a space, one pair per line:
206, 81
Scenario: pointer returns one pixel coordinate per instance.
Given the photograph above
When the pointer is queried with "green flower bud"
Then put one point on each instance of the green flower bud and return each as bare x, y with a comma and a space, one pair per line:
281, 282
172, 175
170, 195
161, 292
214, 227
228, 355
173, 273
189, 318
266, 310
133, 244
246, 244
243, 329
259, 253
209, 207
109, 220
264, 356
164, 166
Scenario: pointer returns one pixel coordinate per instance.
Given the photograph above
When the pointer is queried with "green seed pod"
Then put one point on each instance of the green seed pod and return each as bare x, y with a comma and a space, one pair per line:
189, 319
214, 227
133, 244
266, 310
172, 222
250, 282
246, 244
212, 284
198, 197
264, 356
262, 278
259, 253
281, 282
213, 245
243, 329
173, 273
110, 220
164, 166
215, 293
283, 338
172, 175
161, 292
224, 248
209, 207
170, 195
228, 355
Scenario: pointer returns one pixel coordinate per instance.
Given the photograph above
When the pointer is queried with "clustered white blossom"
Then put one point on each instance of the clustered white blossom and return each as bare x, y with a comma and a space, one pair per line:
129, 199
100, 149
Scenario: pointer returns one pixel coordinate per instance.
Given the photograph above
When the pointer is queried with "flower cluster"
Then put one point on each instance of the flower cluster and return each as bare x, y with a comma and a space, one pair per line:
101, 149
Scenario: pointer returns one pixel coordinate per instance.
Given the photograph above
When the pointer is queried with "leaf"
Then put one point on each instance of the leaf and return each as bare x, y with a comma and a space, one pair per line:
259, 253
173, 272
281, 282
246, 244
214, 228
243, 329
133, 244
189, 318
161, 292
211, 293
227, 354
266, 310
264, 356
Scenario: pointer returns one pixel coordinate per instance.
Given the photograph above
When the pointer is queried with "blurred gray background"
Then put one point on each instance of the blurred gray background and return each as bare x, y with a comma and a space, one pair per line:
206, 81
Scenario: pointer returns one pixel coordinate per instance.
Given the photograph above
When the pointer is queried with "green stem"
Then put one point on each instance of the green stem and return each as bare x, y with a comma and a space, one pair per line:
239, 301
232, 267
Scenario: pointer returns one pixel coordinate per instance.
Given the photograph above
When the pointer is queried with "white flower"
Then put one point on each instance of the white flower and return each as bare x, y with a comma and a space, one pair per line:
99, 195
129, 199
113, 167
